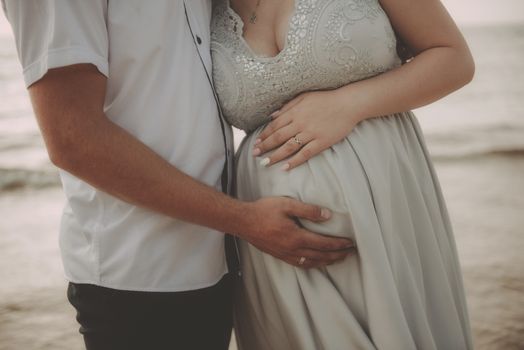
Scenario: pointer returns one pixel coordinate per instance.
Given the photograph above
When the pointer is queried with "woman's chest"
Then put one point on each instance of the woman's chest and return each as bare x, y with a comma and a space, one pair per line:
265, 23
329, 43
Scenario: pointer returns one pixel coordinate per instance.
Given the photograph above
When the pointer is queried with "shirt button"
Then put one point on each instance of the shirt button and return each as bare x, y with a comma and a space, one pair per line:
199, 41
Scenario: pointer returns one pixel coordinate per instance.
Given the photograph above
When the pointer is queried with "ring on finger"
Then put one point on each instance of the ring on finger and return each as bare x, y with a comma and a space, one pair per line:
297, 140
302, 260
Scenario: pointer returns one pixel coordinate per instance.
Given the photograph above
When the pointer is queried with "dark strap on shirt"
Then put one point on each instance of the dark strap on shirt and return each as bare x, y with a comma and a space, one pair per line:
232, 254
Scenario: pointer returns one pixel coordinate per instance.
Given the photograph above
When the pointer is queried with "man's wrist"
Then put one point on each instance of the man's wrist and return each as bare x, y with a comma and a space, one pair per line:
243, 220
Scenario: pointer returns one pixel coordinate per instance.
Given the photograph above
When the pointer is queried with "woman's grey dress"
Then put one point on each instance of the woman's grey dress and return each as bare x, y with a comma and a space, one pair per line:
403, 289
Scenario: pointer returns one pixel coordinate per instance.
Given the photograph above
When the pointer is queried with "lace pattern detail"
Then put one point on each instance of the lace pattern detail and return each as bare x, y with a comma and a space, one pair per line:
330, 43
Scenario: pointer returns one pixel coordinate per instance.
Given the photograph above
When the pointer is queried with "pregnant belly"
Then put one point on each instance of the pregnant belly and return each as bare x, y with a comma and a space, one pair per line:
320, 181
381, 163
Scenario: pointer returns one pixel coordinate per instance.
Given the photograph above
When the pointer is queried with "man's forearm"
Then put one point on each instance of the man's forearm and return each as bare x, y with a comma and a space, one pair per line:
107, 157
80, 139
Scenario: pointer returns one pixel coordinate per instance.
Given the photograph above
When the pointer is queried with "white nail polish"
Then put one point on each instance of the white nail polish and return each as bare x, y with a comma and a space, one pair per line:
325, 213
264, 161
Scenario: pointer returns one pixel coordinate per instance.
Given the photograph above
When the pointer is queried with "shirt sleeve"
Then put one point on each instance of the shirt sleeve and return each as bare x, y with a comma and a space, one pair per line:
57, 33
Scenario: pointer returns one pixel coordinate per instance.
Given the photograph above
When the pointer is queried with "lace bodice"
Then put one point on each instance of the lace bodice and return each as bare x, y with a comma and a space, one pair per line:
330, 43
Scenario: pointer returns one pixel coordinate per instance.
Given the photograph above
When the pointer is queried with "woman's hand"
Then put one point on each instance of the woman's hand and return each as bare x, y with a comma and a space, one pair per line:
304, 127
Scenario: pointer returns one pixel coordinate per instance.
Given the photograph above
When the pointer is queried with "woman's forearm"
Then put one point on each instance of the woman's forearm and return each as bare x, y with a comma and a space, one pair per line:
431, 75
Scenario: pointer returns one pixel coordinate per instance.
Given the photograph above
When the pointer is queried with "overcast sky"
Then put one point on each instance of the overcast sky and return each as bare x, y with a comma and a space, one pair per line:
463, 11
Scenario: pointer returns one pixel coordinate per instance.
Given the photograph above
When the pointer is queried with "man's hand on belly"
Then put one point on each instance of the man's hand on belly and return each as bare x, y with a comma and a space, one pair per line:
273, 229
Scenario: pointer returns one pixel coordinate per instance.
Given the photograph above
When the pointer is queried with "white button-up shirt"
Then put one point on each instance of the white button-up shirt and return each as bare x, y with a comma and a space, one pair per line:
157, 91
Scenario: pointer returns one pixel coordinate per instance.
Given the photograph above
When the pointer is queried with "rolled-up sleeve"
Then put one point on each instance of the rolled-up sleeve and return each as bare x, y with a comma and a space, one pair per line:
57, 33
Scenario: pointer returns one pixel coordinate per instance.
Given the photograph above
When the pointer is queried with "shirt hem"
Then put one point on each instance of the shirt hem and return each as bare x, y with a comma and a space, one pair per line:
117, 286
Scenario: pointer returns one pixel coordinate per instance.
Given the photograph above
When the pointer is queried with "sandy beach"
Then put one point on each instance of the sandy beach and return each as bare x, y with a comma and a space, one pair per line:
484, 197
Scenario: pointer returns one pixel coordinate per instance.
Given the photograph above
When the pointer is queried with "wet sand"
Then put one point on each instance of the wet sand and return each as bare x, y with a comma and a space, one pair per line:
485, 200
34, 313
485, 197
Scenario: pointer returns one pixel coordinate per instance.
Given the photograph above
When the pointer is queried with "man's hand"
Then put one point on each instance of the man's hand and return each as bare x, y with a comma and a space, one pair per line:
276, 232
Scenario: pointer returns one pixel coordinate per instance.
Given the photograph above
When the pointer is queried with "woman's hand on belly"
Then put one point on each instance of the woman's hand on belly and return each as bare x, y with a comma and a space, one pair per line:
304, 127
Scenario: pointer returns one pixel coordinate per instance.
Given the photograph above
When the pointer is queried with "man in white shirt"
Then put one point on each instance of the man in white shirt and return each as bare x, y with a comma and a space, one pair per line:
127, 112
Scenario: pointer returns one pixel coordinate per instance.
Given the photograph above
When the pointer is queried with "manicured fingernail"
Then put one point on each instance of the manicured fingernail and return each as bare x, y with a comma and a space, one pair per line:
257, 141
256, 151
325, 213
275, 114
264, 161
285, 167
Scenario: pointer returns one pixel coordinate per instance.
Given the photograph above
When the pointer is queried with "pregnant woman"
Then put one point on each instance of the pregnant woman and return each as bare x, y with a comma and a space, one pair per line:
325, 99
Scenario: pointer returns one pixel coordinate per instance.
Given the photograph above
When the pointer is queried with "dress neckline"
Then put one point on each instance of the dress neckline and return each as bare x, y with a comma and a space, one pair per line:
240, 32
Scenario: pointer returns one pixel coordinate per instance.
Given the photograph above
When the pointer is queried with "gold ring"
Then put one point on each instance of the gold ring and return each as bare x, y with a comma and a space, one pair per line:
297, 140
302, 260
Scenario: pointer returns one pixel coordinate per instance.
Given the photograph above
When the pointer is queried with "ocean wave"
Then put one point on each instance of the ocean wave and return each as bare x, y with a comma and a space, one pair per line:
15, 179
493, 140
476, 154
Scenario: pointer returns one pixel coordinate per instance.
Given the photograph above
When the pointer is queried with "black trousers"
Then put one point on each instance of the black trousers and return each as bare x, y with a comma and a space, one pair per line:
113, 319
